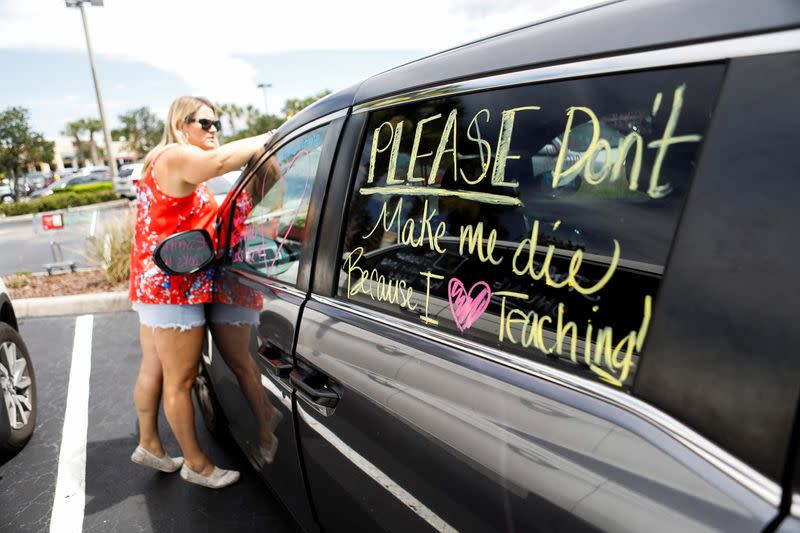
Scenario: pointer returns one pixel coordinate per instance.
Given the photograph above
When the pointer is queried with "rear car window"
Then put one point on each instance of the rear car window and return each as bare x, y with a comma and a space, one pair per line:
536, 220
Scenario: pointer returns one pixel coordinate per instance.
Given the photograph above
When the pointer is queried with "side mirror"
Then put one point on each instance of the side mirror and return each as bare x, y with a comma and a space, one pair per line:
185, 252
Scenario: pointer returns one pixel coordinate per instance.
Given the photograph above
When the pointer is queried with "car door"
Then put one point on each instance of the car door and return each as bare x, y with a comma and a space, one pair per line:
489, 267
271, 217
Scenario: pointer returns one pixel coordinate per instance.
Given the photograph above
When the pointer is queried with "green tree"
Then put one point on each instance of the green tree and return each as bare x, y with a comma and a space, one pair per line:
40, 150
141, 128
74, 130
251, 114
86, 153
292, 106
21, 147
233, 112
92, 126
260, 124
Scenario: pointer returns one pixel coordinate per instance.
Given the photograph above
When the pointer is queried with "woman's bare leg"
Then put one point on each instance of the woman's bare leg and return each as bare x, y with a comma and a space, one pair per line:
233, 343
147, 393
179, 352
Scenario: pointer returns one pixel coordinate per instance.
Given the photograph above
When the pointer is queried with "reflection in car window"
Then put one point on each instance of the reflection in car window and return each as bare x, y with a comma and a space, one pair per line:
535, 219
270, 215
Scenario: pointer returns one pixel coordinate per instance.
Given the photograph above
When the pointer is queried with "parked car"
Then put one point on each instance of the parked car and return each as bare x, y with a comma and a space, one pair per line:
17, 382
97, 173
27, 184
63, 174
542, 281
47, 191
75, 179
6, 193
127, 180
221, 185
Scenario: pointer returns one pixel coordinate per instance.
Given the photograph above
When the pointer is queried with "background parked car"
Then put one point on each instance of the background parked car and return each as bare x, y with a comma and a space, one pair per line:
96, 173
27, 184
79, 178
17, 382
221, 185
6, 193
62, 174
127, 181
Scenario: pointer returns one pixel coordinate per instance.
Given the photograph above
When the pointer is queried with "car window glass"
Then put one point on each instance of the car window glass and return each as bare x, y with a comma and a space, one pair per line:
270, 213
533, 219
219, 185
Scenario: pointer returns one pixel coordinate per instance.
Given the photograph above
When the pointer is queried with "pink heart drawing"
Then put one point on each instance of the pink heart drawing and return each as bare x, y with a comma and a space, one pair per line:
465, 307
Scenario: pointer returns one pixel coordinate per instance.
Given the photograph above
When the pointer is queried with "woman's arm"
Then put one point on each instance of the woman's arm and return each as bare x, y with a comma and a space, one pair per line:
186, 164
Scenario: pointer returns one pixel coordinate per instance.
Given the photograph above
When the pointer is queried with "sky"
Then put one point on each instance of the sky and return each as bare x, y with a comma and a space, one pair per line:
148, 52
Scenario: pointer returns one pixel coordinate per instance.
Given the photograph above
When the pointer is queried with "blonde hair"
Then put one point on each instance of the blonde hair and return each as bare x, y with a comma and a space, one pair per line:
182, 109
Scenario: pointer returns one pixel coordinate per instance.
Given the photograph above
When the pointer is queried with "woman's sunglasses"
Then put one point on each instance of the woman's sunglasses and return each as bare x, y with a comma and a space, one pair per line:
206, 123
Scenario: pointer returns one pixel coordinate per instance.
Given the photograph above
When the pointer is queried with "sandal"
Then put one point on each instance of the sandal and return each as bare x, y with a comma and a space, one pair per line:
168, 464
217, 479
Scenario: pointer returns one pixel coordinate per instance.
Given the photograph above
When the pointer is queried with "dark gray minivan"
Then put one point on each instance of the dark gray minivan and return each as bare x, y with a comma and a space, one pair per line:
539, 282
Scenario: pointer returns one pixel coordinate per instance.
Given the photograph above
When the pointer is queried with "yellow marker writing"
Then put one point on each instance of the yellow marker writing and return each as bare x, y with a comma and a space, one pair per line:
655, 190
504, 145
412, 162
482, 197
428, 276
449, 128
482, 145
473, 237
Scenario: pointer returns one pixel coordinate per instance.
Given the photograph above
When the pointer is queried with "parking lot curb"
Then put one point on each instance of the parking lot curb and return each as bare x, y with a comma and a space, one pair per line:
4, 219
75, 304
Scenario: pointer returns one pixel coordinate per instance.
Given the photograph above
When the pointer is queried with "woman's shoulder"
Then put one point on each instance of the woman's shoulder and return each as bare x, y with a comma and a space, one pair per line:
174, 158
175, 151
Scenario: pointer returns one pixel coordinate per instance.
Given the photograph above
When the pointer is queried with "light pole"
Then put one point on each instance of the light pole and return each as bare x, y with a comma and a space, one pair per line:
112, 162
265, 86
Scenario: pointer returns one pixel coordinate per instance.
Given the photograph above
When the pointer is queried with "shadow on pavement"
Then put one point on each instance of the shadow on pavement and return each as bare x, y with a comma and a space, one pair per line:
116, 488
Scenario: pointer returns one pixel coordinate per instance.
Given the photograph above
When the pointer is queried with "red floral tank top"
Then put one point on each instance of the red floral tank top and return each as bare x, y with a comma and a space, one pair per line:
158, 216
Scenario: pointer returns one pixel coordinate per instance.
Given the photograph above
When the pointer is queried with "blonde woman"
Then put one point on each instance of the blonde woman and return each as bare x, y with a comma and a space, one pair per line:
172, 198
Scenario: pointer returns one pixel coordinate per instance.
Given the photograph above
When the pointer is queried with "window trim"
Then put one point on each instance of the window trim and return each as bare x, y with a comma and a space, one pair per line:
768, 43
749, 478
271, 283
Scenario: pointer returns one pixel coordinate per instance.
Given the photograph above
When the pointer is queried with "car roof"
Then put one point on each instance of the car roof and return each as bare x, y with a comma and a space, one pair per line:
600, 30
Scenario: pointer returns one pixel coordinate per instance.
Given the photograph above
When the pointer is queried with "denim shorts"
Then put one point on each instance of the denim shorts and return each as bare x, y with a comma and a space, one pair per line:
188, 316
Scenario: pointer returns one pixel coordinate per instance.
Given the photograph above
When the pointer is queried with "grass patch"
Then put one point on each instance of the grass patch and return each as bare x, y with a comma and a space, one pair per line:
17, 281
57, 201
111, 249
87, 188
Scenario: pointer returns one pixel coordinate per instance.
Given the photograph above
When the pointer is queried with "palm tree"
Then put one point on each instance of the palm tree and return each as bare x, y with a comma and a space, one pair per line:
92, 125
233, 112
250, 115
74, 129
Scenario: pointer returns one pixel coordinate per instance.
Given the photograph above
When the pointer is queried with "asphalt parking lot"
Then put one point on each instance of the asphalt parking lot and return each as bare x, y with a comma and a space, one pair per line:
119, 495
27, 247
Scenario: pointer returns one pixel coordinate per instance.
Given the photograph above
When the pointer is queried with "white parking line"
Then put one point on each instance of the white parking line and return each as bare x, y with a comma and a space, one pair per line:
70, 499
